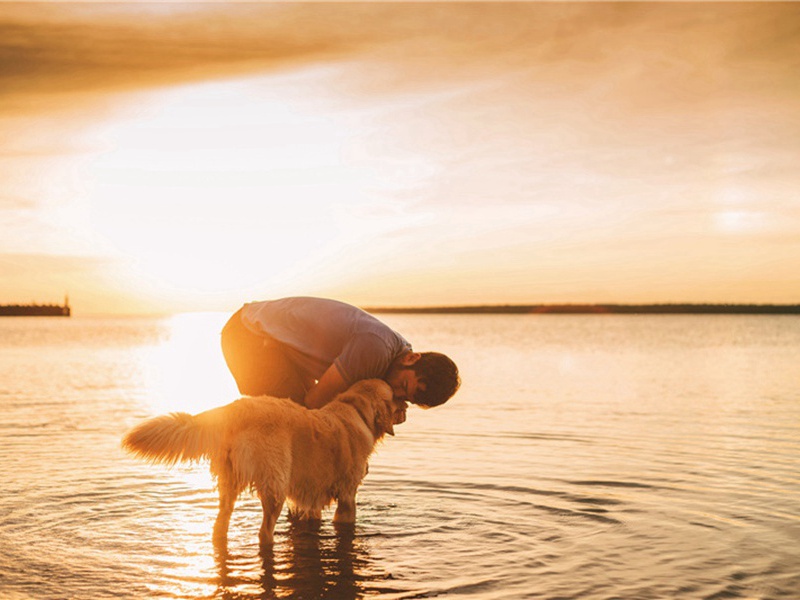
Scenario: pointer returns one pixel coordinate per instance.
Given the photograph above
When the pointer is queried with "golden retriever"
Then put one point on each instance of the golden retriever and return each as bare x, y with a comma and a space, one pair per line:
278, 449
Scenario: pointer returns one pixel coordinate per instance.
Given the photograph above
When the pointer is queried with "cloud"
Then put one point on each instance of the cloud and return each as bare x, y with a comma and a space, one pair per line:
52, 48
588, 48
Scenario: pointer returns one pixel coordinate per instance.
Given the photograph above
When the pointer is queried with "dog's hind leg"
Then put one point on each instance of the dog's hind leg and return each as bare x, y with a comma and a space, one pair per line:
227, 498
272, 507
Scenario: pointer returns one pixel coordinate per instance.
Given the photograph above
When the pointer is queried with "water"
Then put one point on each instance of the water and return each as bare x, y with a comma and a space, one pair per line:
585, 457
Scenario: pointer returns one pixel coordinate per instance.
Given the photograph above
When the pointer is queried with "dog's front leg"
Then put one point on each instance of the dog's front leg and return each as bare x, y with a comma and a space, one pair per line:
345, 510
272, 510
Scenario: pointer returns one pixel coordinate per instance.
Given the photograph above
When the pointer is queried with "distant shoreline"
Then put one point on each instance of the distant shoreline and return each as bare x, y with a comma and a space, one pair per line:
601, 309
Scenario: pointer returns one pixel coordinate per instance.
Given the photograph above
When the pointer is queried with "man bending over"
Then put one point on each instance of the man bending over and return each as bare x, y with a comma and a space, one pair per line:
311, 349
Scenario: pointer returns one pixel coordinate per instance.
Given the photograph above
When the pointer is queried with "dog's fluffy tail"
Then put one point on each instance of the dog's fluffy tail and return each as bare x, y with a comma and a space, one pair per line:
176, 437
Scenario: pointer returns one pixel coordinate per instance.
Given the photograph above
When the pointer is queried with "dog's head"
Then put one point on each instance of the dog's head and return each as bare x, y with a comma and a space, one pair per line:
372, 399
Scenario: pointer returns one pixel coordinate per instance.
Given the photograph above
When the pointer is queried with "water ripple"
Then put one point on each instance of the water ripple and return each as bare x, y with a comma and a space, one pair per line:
656, 468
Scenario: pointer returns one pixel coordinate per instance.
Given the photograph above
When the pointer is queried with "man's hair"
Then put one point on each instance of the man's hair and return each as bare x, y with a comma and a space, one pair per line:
440, 375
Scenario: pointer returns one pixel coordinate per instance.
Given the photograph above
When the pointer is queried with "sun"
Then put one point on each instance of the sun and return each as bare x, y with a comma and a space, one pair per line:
220, 186
186, 370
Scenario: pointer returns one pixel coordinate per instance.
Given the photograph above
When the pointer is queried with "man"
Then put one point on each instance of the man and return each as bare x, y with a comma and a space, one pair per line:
311, 349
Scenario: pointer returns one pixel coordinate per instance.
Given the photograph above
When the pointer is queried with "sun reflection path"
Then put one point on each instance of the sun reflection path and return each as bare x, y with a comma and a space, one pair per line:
189, 370
187, 373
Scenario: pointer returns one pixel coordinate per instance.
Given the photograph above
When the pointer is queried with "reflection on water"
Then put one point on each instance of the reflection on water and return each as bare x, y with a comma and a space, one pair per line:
307, 564
584, 457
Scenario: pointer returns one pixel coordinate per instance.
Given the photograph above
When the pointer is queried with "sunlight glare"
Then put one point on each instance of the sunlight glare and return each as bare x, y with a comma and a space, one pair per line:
190, 371
225, 186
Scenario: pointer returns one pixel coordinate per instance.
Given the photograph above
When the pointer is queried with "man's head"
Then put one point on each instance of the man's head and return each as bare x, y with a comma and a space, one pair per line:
427, 379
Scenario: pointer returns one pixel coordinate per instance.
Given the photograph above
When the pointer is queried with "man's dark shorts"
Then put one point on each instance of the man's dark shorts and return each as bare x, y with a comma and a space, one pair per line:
259, 363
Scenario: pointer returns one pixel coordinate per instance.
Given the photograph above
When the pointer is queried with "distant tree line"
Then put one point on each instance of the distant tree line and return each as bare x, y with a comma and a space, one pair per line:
601, 309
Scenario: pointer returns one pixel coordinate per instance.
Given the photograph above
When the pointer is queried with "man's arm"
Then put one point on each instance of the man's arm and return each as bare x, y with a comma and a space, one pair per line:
329, 385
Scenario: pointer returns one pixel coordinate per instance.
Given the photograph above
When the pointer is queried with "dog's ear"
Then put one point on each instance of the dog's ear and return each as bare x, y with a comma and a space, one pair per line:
383, 416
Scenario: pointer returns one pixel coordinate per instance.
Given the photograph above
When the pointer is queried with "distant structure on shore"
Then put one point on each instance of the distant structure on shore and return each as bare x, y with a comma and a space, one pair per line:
602, 309
36, 310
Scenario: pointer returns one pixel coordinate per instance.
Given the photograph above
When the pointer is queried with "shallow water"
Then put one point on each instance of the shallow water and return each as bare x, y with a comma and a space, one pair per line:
584, 457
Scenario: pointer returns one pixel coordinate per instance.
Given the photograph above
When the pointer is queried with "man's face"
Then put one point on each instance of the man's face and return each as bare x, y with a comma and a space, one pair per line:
405, 385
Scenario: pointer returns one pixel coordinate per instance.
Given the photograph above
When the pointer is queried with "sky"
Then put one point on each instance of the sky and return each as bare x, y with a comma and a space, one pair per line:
195, 156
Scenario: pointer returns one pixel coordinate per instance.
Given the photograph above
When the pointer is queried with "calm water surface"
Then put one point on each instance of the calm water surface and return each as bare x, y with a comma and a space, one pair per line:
585, 457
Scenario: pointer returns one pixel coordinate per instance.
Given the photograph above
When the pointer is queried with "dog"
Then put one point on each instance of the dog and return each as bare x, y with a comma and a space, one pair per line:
278, 449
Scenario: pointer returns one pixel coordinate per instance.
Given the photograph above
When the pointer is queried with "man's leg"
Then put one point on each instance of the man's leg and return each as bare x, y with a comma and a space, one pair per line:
259, 364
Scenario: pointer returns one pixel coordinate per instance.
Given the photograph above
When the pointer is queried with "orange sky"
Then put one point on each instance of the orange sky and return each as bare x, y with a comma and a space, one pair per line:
168, 157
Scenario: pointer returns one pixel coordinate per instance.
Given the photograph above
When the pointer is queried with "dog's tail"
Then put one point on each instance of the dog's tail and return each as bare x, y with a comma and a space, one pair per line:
176, 437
